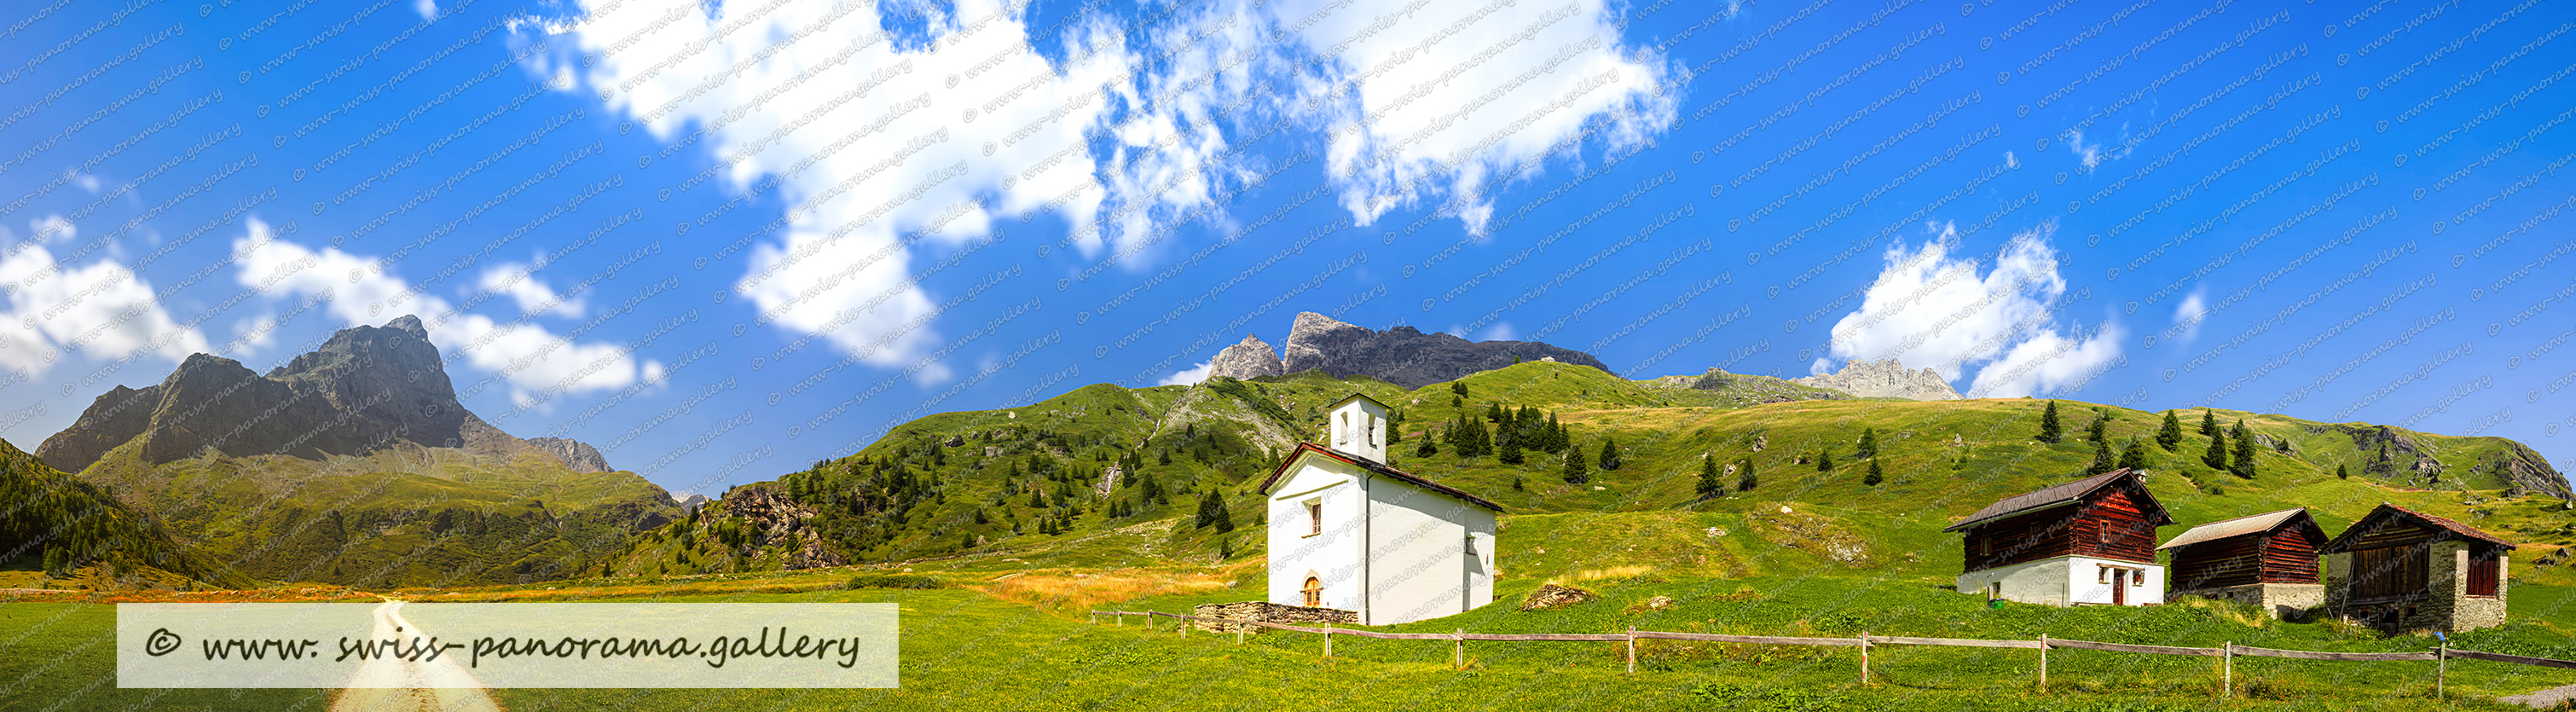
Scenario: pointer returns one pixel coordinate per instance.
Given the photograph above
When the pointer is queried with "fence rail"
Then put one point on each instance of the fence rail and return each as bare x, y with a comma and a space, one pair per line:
2226, 652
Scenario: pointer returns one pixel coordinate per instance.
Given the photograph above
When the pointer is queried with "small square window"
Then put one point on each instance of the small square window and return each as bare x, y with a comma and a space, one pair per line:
2138, 578
2102, 574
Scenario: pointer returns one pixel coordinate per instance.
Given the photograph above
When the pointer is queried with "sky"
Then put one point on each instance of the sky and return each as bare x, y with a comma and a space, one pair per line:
722, 240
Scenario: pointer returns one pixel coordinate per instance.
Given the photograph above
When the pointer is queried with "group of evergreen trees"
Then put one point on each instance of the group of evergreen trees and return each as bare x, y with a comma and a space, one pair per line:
2230, 450
1513, 434
1710, 487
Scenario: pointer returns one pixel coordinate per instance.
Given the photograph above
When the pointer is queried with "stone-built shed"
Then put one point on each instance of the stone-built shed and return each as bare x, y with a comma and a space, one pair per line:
2268, 559
2090, 541
2401, 570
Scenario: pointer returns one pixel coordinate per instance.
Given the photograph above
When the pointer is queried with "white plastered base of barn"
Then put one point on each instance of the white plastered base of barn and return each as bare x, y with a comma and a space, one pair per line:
2070, 581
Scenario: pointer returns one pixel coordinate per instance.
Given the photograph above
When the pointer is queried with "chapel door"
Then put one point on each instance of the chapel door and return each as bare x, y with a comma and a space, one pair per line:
2119, 587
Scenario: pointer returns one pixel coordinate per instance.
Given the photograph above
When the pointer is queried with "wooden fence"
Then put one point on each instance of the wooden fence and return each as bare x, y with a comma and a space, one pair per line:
2226, 653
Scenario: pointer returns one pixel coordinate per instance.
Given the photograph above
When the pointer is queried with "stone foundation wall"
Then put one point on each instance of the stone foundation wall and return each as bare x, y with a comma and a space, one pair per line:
2281, 600
1267, 612
2445, 604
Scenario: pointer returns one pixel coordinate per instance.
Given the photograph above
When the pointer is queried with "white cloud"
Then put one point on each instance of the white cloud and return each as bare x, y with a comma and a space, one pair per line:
1500, 331
521, 284
253, 334
1188, 376
428, 9
1991, 314
2087, 154
534, 362
101, 310
2188, 316
881, 144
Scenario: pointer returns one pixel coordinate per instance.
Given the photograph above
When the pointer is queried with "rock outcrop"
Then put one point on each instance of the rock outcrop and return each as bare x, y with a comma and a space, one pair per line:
578, 455
1404, 355
1885, 379
1248, 358
772, 518
365, 389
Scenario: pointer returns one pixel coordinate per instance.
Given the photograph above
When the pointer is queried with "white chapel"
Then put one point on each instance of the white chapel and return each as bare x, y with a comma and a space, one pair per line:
1348, 531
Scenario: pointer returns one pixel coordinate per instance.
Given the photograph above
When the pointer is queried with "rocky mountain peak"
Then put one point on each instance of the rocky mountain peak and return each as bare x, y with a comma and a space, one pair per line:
1404, 355
578, 455
1885, 379
1248, 358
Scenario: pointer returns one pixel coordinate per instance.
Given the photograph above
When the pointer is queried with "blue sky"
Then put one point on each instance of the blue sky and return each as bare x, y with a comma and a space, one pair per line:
723, 240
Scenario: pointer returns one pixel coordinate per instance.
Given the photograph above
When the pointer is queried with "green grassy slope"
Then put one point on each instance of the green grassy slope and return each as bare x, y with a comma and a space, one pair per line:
60, 532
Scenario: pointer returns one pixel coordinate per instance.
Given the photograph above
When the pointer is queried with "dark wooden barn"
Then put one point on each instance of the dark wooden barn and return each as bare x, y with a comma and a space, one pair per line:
2269, 560
2090, 541
2401, 570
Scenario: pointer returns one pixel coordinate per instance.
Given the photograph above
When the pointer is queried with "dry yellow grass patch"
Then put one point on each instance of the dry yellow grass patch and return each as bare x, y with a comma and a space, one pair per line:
1068, 591
1614, 572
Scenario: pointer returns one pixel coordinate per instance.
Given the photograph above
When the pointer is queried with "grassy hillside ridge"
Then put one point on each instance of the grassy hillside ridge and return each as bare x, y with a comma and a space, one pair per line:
398, 516
1036, 484
65, 533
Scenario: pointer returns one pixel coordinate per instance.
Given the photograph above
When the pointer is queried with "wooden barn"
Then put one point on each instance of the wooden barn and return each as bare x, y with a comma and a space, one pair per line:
2269, 560
2402, 570
2087, 542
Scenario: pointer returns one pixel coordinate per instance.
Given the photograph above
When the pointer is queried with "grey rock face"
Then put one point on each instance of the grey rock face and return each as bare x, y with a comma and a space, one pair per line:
365, 389
1885, 379
578, 455
1404, 355
1248, 358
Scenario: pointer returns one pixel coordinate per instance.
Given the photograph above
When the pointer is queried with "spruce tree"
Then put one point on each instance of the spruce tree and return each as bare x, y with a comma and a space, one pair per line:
2101, 459
2340, 473
1557, 437
2170, 434
2244, 460
2134, 457
1224, 516
2048, 426
1868, 443
1825, 460
2099, 429
1428, 445
1709, 487
1744, 479
1874, 477
2208, 423
1511, 449
1494, 412
2216, 457
1609, 454
1575, 470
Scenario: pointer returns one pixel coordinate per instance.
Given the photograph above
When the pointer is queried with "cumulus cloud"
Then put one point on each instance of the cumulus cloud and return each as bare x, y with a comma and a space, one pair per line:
886, 141
1993, 315
1188, 376
536, 364
520, 283
428, 9
2188, 315
100, 310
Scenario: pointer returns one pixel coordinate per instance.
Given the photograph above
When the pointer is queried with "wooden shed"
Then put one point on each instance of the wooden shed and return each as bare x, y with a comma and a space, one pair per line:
2090, 541
2269, 560
2401, 570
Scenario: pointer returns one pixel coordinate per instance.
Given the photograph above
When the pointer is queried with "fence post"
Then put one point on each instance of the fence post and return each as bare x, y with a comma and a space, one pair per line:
1864, 657
1238, 632
1632, 650
2441, 669
1120, 616
2043, 661
2227, 662
1458, 650
1184, 623
1328, 641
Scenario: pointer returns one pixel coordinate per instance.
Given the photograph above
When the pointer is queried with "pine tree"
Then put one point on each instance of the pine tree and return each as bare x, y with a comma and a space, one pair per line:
1225, 549
1744, 479
2134, 457
2340, 473
1224, 515
1428, 446
1709, 488
2244, 464
1510, 453
1557, 437
2099, 429
1494, 412
2208, 423
1575, 470
1207, 510
2101, 459
1825, 460
2170, 434
2216, 457
1868, 444
2048, 426
1609, 454
980, 518
1874, 477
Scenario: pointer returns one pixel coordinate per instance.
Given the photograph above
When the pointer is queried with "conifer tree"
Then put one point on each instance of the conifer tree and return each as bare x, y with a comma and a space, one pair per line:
2170, 434
1709, 487
1576, 472
1825, 460
2208, 423
2134, 457
1428, 445
1744, 479
2101, 459
2099, 429
1557, 437
2216, 457
2244, 460
1874, 477
1609, 454
2048, 426
1510, 453
2340, 473
1868, 444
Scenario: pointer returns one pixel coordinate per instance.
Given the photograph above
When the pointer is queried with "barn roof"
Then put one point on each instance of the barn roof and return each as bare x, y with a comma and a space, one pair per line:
1371, 465
2048, 497
2386, 511
2241, 526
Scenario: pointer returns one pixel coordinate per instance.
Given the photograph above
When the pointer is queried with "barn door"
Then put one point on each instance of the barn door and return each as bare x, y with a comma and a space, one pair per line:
2119, 587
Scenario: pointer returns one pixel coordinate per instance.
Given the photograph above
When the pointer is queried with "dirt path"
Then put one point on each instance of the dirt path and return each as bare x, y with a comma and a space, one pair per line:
394, 685
2550, 698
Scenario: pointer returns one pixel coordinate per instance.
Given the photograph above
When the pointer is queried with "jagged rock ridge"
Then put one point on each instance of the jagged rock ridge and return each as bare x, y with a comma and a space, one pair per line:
366, 389
1248, 358
1404, 355
578, 455
1885, 379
